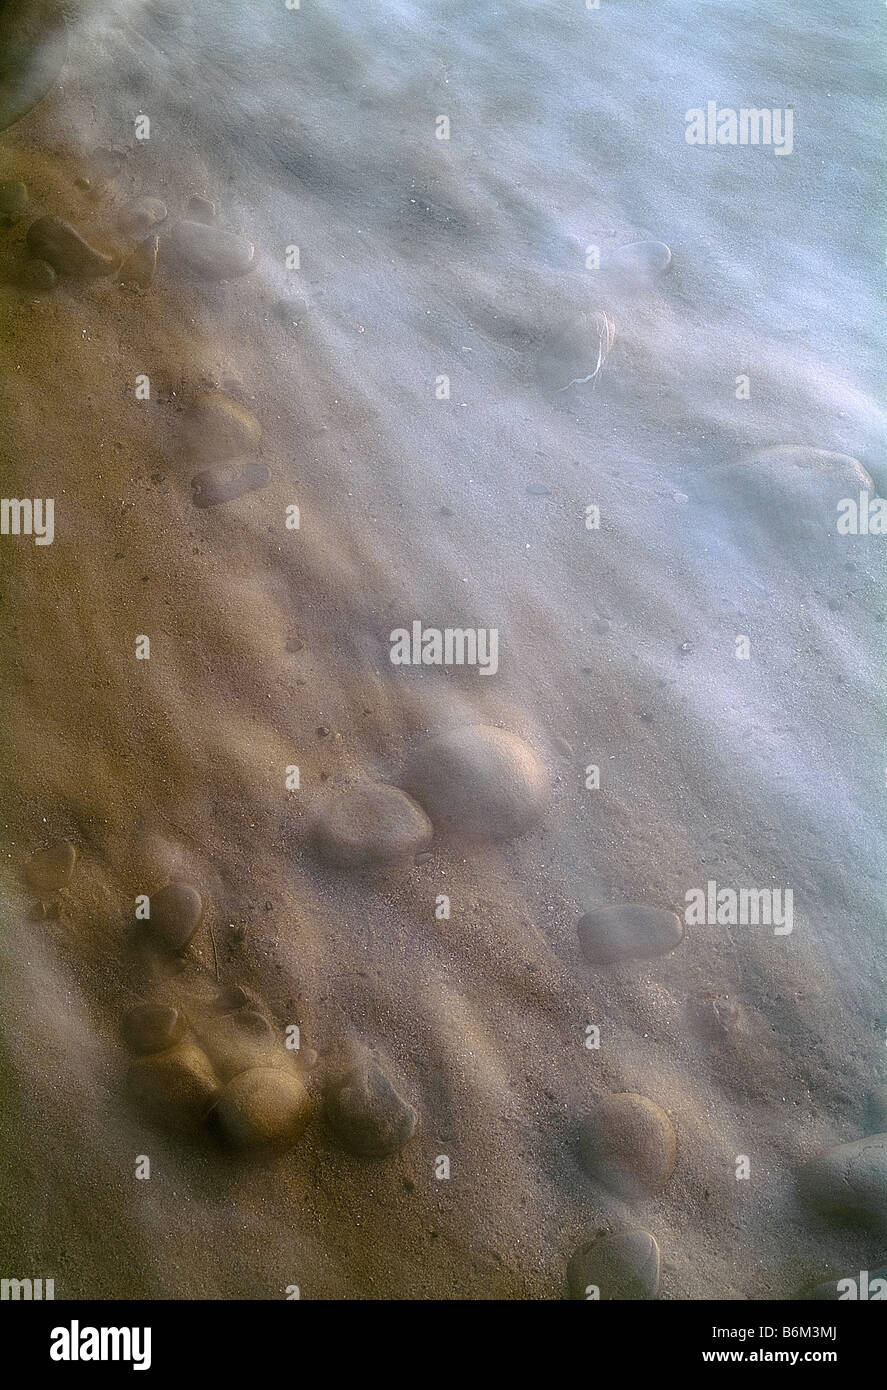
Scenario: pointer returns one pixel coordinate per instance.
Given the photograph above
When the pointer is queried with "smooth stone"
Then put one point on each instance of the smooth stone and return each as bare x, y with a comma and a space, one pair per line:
369, 823
639, 258
153, 1027
54, 240
218, 427
50, 869
628, 1143
177, 1086
13, 200
251, 1022
176, 911
609, 935
141, 217
849, 1180
623, 1266
33, 48
139, 268
483, 781
33, 276
213, 486
263, 1106
208, 251
202, 209
368, 1115
791, 491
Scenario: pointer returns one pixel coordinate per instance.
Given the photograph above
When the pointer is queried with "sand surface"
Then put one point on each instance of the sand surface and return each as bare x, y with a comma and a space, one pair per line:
419, 258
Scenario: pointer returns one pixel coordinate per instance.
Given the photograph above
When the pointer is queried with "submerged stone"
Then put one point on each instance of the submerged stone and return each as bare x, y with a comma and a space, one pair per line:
209, 252
480, 780
369, 1115
55, 240
849, 1180
153, 1027
610, 935
33, 48
628, 1144
263, 1106
177, 1086
369, 823
623, 1266
175, 911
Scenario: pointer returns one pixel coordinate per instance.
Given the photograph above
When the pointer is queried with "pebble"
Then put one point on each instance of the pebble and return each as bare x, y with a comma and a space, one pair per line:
32, 51
213, 486
208, 252
50, 869
628, 1144
139, 268
54, 240
153, 1027
202, 209
609, 935
176, 911
640, 258
368, 1115
218, 427
141, 217
369, 823
485, 782
850, 1180
263, 1106
13, 201
623, 1266
177, 1086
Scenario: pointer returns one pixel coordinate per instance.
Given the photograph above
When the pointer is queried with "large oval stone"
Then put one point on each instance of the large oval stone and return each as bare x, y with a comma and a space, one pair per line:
209, 252
480, 780
850, 1180
56, 241
218, 427
263, 1106
628, 1144
153, 1027
608, 935
176, 911
177, 1086
369, 1115
623, 1266
369, 823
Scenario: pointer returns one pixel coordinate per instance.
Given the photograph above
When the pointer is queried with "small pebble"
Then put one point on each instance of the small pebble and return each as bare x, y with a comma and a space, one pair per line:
480, 780
177, 1086
202, 209
368, 1115
176, 911
54, 240
623, 1266
152, 1027
208, 252
263, 1106
50, 869
609, 935
628, 1144
368, 823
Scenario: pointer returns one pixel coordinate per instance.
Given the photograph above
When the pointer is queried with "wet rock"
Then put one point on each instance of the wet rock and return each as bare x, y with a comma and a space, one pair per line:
218, 427
141, 217
54, 240
33, 47
253, 1024
623, 1266
368, 1115
50, 869
610, 935
202, 209
177, 1087
849, 1180
176, 911
213, 486
629, 1145
483, 781
369, 823
208, 252
139, 268
234, 997
153, 1027
13, 201
640, 258
263, 1106
34, 277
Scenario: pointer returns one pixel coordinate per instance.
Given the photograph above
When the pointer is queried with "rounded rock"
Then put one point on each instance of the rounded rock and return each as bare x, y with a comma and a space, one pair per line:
33, 48
609, 935
623, 1266
480, 780
370, 823
176, 911
263, 1106
208, 252
369, 1115
628, 1144
55, 240
153, 1027
177, 1086
141, 217
50, 869
640, 258
218, 427
850, 1180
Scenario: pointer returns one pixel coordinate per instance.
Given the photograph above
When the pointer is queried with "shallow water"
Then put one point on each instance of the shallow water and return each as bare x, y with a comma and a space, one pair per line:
464, 258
